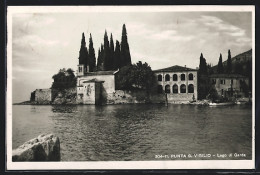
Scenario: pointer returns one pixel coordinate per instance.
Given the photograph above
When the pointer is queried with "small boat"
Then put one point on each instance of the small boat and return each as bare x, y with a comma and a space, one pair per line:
221, 104
241, 102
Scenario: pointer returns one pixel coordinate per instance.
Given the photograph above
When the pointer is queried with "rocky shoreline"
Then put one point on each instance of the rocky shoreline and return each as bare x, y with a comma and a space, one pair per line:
42, 148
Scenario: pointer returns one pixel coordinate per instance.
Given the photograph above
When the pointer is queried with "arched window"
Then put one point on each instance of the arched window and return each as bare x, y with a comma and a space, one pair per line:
190, 88
183, 88
182, 77
190, 76
175, 89
167, 77
159, 77
175, 77
160, 89
167, 89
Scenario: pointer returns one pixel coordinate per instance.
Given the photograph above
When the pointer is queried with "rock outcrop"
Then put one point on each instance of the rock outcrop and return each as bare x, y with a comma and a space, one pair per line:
42, 148
66, 96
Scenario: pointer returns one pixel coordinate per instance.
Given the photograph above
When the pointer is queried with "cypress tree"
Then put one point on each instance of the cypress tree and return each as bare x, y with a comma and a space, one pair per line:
98, 60
92, 57
112, 51
102, 59
86, 62
229, 63
203, 65
125, 52
100, 63
220, 65
117, 56
106, 54
83, 53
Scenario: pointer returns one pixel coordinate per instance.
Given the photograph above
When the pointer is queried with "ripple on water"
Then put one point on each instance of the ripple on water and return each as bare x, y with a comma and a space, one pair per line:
136, 132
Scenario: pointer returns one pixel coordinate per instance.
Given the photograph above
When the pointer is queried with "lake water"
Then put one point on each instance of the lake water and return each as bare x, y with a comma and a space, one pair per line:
138, 132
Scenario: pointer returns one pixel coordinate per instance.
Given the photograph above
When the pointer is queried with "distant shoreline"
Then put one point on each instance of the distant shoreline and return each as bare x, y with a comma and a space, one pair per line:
200, 102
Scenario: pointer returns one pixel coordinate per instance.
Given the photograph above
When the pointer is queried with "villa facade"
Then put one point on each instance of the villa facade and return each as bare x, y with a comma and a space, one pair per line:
179, 83
228, 85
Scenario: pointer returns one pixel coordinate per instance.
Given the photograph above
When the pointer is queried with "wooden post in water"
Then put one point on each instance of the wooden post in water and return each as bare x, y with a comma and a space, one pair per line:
166, 100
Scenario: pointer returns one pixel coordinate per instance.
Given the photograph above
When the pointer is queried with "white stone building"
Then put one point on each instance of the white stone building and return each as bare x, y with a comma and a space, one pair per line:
94, 87
179, 83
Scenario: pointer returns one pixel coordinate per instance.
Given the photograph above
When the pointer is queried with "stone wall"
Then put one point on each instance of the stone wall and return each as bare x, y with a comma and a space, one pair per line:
109, 81
121, 97
66, 96
124, 97
43, 95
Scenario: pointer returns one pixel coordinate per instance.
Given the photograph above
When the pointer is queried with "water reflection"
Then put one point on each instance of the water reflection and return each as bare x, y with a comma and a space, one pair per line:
137, 132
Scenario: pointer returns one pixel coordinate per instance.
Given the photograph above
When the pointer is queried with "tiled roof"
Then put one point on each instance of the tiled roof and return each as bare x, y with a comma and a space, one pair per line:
100, 73
93, 80
226, 76
175, 68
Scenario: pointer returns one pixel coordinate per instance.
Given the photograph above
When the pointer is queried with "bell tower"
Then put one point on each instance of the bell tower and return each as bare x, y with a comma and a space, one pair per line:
81, 70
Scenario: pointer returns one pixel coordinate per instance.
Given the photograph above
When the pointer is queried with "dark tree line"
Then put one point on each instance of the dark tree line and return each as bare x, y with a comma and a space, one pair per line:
138, 76
65, 78
227, 69
110, 56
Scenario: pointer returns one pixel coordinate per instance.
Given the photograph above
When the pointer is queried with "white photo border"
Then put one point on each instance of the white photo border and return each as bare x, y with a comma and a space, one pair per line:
101, 165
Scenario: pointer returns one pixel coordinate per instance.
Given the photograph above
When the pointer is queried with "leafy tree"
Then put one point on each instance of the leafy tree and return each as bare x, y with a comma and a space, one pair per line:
238, 68
138, 76
143, 76
248, 73
245, 88
220, 65
229, 63
91, 55
210, 70
64, 79
124, 78
213, 94
125, 52
117, 56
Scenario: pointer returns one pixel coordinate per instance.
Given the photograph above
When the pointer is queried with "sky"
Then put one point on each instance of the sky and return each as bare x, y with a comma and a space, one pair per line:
43, 43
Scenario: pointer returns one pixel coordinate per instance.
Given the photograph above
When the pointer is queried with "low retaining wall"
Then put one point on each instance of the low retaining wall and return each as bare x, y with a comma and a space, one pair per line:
121, 97
42, 148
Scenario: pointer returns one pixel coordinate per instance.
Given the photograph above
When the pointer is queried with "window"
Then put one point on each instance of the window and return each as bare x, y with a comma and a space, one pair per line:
182, 77
167, 77
231, 81
190, 76
190, 88
80, 96
222, 81
159, 89
80, 69
175, 77
159, 77
213, 81
183, 88
167, 89
175, 89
